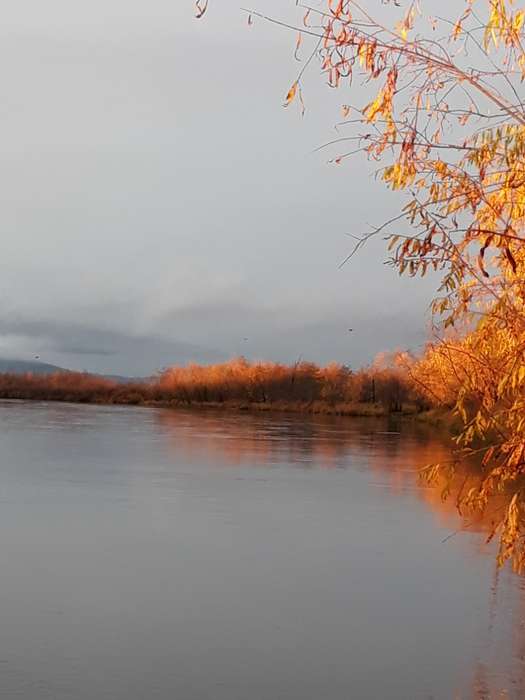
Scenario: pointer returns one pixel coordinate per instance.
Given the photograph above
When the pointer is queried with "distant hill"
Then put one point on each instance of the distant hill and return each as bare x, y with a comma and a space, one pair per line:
23, 366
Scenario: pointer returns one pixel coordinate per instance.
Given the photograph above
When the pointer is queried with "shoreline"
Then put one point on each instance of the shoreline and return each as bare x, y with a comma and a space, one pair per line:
438, 417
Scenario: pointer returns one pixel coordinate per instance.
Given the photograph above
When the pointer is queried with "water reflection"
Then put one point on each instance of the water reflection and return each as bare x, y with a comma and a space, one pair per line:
162, 554
313, 442
391, 450
392, 453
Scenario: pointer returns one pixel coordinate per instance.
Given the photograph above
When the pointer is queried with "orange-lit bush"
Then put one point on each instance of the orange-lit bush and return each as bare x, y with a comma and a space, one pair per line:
386, 382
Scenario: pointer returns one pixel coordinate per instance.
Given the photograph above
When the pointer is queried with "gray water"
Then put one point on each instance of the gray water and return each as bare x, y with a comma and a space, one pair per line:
149, 554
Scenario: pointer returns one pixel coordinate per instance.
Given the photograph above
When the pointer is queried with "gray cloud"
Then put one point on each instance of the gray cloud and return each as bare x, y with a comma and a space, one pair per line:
285, 333
218, 331
105, 350
157, 208
68, 349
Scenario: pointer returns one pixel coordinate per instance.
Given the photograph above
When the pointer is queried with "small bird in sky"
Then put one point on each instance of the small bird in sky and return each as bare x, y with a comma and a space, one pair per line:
350, 330
37, 357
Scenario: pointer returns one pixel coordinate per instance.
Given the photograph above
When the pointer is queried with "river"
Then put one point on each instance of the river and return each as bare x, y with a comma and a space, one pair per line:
174, 555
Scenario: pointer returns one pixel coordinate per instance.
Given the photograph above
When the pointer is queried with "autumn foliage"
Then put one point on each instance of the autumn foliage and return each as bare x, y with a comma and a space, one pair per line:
454, 136
382, 388
75, 387
304, 383
443, 122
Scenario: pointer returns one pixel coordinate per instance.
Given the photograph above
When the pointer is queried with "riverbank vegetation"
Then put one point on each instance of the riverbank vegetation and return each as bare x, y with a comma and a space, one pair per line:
384, 387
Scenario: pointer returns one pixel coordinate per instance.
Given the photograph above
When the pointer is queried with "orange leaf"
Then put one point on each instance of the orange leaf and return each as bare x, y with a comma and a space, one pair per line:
298, 44
292, 92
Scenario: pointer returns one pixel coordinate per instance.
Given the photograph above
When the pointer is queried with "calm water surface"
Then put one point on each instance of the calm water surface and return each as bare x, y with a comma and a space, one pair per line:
150, 554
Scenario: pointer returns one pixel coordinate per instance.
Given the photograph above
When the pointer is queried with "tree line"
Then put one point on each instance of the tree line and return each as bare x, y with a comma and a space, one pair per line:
384, 387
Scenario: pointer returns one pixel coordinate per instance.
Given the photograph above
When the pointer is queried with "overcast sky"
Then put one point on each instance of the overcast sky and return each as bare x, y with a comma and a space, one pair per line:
158, 204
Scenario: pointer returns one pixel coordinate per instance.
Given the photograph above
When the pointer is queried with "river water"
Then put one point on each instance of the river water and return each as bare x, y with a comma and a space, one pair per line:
152, 554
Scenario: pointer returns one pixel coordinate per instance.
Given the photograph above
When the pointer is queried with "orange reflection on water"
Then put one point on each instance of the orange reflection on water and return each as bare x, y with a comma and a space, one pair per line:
391, 454
393, 451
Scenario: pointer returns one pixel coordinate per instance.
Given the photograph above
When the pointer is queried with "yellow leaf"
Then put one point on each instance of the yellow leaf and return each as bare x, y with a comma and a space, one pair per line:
374, 108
